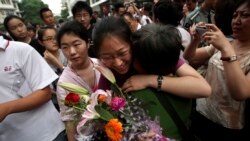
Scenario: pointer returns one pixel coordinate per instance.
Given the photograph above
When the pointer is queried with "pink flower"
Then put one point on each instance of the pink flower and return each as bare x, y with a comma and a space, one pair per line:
117, 103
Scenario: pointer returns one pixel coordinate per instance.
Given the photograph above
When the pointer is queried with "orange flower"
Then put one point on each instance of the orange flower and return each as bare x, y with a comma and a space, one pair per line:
102, 98
113, 130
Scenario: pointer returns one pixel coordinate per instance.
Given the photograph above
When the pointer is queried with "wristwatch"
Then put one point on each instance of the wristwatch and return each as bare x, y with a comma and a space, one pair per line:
229, 59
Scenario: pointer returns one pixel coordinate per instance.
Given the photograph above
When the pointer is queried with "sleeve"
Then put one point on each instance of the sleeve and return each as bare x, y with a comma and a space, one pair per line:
179, 64
37, 72
210, 49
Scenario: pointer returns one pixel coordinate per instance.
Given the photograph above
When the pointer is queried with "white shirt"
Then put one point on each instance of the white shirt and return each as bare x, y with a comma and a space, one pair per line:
144, 20
185, 38
21, 63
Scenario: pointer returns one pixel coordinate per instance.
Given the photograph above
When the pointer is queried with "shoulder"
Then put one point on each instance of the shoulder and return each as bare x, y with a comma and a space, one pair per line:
194, 13
190, 18
20, 47
183, 31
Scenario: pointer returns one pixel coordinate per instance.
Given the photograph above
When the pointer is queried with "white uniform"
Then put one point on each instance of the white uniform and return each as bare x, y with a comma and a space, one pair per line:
21, 63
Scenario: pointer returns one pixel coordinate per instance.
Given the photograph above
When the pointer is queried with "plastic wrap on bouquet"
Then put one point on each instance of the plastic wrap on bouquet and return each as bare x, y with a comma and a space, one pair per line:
111, 115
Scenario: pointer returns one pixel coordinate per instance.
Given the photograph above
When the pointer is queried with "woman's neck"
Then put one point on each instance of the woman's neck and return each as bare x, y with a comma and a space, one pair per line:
85, 65
242, 43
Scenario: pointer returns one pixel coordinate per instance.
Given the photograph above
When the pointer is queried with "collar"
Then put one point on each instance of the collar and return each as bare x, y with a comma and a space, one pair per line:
3, 43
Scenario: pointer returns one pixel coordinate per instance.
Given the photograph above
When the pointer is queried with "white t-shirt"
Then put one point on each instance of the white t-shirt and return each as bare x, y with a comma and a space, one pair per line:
21, 63
145, 20
185, 38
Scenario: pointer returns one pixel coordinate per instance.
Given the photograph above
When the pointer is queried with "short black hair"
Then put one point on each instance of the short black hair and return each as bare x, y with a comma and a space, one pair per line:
111, 26
81, 5
148, 7
72, 27
118, 5
42, 10
157, 48
168, 12
240, 2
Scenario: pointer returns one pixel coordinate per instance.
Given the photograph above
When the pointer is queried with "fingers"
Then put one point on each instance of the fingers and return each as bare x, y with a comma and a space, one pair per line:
127, 86
212, 27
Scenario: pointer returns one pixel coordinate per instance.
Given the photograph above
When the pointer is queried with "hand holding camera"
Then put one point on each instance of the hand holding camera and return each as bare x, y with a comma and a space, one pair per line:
201, 30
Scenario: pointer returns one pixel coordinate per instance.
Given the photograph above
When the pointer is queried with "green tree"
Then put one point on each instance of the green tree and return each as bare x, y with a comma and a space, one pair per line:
30, 10
64, 12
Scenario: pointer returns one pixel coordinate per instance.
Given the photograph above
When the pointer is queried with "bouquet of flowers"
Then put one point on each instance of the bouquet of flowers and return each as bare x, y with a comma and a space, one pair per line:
111, 115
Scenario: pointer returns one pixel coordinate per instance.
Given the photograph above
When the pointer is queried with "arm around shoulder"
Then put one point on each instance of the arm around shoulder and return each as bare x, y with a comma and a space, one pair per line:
188, 83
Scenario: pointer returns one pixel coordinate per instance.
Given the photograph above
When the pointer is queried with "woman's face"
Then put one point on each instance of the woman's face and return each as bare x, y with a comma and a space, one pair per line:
17, 28
49, 40
75, 49
115, 54
240, 22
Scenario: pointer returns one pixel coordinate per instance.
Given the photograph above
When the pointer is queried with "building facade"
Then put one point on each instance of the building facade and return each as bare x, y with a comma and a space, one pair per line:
8, 7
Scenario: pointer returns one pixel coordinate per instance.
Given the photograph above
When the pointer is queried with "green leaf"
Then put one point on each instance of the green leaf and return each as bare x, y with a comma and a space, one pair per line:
74, 88
117, 90
104, 114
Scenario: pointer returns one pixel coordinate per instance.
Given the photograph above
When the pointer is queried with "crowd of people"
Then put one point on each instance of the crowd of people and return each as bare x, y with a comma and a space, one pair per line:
158, 46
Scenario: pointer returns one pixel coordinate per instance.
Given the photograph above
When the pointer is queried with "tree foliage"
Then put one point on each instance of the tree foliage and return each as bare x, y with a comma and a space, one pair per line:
64, 13
30, 10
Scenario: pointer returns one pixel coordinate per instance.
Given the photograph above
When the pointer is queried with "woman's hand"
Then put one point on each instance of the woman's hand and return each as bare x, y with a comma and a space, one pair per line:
215, 37
50, 58
137, 82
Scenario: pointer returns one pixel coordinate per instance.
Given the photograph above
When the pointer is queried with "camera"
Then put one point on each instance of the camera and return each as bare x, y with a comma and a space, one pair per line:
201, 29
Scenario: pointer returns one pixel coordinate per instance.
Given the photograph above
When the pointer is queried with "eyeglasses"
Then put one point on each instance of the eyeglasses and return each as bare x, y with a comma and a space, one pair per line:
109, 58
50, 39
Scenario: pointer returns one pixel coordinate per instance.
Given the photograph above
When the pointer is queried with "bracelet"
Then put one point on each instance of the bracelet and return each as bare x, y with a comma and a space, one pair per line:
229, 59
159, 82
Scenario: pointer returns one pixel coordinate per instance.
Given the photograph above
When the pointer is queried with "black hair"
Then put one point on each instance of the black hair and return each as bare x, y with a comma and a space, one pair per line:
240, 2
42, 10
5, 36
168, 12
30, 27
193, 1
81, 5
60, 21
72, 27
157, 48
148, 7
6, 21
117, 6
41, 31
223, 15
110, 26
